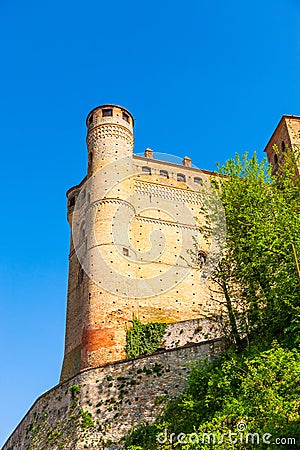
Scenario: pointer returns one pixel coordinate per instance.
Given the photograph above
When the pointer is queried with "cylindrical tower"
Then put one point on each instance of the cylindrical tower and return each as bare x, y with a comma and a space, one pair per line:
109, 136
95, 328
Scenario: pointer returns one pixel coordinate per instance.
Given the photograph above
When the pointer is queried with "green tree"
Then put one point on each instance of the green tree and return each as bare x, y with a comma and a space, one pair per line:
258, 274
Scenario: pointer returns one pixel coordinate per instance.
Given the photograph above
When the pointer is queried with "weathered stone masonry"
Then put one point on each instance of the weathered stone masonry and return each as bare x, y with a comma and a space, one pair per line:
112, 399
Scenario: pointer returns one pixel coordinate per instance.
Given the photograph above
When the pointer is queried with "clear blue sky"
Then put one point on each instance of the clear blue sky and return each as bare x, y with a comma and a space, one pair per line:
204, 79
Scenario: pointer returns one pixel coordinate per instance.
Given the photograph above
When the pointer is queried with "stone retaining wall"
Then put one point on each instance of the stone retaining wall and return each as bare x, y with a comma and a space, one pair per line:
96, 408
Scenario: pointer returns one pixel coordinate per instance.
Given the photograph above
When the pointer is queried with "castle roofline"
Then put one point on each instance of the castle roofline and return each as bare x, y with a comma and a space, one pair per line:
160, 161
155, 161
109, 106
285, 116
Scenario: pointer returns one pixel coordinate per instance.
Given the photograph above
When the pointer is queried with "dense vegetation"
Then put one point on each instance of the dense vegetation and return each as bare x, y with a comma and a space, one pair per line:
250, 396
143, 339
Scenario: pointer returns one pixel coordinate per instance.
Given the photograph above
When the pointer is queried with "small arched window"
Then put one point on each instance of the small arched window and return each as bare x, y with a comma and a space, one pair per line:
146, 169
72, 201
180, 177
202, 257
91, 119
164, 174
275, 158
198, 180
283, 146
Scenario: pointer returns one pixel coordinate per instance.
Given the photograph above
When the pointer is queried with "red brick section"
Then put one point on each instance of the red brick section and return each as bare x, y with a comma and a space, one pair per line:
95, 338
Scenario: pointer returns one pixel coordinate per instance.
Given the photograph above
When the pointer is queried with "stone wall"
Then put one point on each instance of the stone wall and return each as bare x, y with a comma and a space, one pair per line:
195, 331
96, 408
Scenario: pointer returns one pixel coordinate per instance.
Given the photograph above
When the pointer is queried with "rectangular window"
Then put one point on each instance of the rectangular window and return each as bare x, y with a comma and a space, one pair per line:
180, 177
164, 173
146, 169
198, 180
125, 116
107, 112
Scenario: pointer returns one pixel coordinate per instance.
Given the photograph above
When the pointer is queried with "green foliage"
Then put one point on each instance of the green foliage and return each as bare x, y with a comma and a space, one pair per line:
74, 390
260, 389
143, 339
86, 419
258, 275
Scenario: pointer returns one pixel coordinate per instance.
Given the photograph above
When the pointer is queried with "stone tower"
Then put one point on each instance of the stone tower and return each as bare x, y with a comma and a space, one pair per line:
132, 220
109, 137
286, 137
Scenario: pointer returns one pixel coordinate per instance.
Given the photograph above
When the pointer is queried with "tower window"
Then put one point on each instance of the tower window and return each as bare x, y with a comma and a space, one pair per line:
82, 233
146, 169
164, 173
72, 201
275, 158
283, 146
125, 116
108, 112
180, 177
80, 275
201, 257
198, 180
125, 251
91, 119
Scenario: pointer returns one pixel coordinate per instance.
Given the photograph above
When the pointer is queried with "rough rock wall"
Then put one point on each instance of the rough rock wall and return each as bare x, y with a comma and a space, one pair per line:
96, 408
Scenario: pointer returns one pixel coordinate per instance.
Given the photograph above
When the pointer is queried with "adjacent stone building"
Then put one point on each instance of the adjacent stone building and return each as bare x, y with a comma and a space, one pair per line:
286, 138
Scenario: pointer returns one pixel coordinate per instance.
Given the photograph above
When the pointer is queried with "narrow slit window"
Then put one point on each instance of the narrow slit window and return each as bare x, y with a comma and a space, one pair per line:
80, 275
283, 146
125, 251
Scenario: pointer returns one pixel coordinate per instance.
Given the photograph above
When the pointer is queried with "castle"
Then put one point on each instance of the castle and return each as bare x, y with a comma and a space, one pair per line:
133, 221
